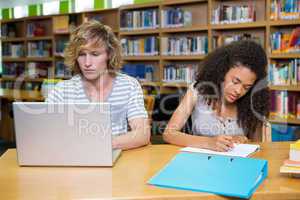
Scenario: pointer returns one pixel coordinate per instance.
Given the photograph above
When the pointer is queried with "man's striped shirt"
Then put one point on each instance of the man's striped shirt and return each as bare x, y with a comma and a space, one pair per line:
126, 99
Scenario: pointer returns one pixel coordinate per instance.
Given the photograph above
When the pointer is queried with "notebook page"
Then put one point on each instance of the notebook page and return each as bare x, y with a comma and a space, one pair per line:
239, 150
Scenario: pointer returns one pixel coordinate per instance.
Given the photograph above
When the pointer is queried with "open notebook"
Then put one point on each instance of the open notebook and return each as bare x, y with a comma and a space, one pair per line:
240, 150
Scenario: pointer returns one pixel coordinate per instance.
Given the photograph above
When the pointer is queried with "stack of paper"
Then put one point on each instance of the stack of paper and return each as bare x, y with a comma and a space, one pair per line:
292, 165
239, 150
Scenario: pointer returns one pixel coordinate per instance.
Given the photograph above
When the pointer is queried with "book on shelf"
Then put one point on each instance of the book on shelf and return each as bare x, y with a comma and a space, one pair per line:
98, 18
12, 70
17, 85
39, 49
62, 71
139, 20
8, 30
220, 40
35, 86
285, 105
36, 29
38, 70
175, 17
194, 45
146, 46
228, 14
60, 45
285, 9
14, 50
284, 132
61, 24
286, 41
7, 85
143, 72
179, 73
284, 72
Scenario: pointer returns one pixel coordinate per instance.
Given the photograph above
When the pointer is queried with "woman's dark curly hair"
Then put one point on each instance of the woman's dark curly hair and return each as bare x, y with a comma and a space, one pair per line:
254, 105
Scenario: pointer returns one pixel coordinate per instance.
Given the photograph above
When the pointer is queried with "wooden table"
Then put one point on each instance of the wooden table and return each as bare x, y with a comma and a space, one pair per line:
127, 179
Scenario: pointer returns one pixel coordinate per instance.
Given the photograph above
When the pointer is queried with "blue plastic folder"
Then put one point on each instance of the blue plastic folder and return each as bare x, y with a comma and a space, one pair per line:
223, 175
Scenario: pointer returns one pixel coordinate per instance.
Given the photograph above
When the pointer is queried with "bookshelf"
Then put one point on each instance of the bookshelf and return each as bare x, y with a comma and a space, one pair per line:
283, 64
160, 20
33, 50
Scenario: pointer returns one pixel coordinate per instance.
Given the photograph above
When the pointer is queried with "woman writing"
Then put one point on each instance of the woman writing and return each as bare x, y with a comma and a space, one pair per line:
222, 103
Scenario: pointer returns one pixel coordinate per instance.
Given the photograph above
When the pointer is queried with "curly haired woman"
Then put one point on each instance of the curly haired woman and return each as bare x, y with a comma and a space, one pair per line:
94, 56
227, 102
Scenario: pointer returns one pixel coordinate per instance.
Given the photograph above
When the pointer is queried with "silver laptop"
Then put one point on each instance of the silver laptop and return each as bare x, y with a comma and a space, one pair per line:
75, 134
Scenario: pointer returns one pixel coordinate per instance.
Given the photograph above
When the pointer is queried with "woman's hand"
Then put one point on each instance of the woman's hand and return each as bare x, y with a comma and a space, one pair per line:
239, 139
220, 143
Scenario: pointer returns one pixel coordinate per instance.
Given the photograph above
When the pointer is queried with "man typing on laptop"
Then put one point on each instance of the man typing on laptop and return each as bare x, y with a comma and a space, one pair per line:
94, 56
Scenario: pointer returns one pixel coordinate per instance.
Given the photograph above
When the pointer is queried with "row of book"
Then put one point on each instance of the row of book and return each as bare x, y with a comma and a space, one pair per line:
35, 70
227, 14
285, 104
285, 10
8, 30
62, 71
284, 132
175, 17
38, 70
286, 41
39, 49
220, 40
35, 49
12, 70
36, 86
60, 45
194, 45
13, 49
180, 73
284, 72
147, 46
139, 19
140, 71
36, 29
64, 23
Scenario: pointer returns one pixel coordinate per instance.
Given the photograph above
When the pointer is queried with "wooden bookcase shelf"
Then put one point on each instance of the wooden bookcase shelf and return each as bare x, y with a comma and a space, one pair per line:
139, 32
183, 58
184, 29
23, 79
284, 121
284, 55
179, 2
150, 83
249, 25
40, 59
26, 95
140, 6
174, 85
13, 59
141, 58
285, 87
285, 22
17, 39
39, 38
